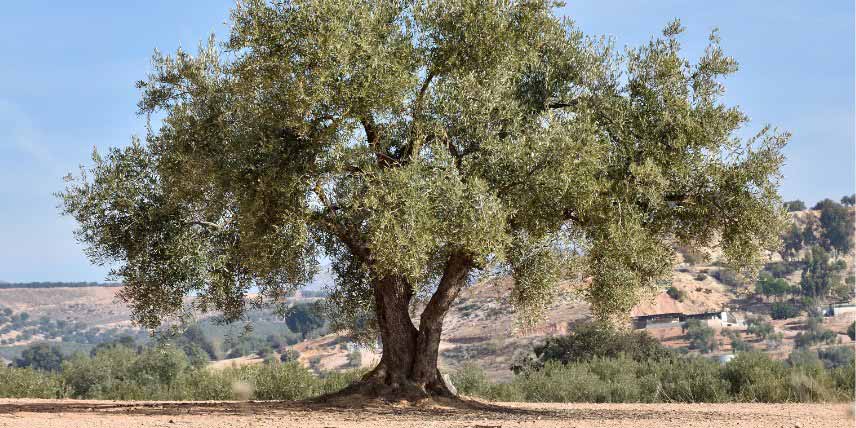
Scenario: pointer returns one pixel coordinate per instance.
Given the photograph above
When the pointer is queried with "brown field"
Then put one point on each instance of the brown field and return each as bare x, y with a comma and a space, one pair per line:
79, 413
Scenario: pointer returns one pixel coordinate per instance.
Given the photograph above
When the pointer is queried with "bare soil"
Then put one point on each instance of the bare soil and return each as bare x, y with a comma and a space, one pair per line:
79, 413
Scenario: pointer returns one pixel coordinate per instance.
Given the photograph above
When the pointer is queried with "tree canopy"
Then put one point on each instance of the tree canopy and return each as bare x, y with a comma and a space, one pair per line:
416, 145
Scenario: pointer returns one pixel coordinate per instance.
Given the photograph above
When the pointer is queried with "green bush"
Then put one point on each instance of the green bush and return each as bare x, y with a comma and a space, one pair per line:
688, 380
781, 311
753, 376
287, 381
29, 383
701, 336
589, 341
676, 293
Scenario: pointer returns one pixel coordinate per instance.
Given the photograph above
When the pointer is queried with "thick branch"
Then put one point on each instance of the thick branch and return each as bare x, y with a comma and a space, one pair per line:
373, 137
330, 222
453, 280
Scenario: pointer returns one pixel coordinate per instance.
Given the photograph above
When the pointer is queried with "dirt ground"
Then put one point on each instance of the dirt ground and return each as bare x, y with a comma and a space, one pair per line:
93, 414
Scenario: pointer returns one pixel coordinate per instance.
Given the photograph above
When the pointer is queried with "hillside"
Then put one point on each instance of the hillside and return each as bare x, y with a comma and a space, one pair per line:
480, 327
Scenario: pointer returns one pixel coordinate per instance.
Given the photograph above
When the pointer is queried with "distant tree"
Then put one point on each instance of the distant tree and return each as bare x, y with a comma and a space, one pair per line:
837, 223
759, 327
737, 342
158, 366
676, 293
415, 145
811, 231
289, 355
769, 286
851, 330
848, 201
820, 274
781, 311
193, 335
125, 341
792, 242
701, 336
814, 333
595, 340
303, 318
795, 205
41, 356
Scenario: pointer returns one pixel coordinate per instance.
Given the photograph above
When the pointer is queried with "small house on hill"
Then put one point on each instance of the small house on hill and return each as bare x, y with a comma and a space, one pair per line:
718, 319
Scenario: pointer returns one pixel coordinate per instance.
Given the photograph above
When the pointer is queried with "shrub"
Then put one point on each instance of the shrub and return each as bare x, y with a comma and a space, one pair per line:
593, 340
676, 293
851, 330
287, 381
289, 355
41, 356
781, 269
701, 336
29, 383
780, 311
729, 277
755, 377
815, 333
470, 380
689, 380
759, 327
737, 342
839, 356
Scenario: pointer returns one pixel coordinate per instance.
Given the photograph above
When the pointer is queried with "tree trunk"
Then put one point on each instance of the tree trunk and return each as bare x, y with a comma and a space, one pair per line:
408, 366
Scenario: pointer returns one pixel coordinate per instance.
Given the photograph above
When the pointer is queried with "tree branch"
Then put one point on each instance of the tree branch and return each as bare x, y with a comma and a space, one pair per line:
453, 280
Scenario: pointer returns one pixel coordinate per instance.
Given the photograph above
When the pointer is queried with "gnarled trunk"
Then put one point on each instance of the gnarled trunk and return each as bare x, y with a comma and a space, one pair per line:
408, 365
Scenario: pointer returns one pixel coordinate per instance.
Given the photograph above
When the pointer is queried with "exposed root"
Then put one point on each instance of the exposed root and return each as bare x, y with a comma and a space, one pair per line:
381, 385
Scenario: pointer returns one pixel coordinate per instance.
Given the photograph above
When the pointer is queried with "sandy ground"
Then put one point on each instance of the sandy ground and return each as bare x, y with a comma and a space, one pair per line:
73, 413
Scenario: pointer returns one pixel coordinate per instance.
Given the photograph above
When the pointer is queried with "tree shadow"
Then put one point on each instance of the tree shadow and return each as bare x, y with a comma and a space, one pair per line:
457, 409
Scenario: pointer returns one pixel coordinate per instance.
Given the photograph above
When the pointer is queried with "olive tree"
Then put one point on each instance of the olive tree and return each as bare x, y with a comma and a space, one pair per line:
418, 145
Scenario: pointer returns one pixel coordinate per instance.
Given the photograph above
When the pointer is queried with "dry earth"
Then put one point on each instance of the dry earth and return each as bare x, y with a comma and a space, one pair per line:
79, 414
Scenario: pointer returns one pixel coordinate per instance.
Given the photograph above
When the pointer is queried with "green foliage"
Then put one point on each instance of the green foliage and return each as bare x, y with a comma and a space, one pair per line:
795, 205
814, 333
851, 330
837, 222
755, 377
29, 383
302, 318
848, 201
751, 377
769, 286
701, 336
737, 342
781, 269
759, 327
589, 341
781, 311
836, 357
398, 136
729, 277
41, 356
676, 293
289, 355
792, 242
820, 274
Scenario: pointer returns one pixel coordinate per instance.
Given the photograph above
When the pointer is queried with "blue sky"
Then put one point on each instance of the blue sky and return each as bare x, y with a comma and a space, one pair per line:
68, 69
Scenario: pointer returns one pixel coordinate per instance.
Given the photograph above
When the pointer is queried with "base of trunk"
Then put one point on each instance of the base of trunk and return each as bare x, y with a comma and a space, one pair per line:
388, 386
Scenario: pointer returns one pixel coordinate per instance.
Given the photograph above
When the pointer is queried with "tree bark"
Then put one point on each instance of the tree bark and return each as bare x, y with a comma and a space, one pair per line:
408, 366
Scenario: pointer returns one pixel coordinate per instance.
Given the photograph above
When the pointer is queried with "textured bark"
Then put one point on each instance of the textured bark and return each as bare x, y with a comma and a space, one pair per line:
408, 366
